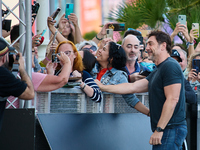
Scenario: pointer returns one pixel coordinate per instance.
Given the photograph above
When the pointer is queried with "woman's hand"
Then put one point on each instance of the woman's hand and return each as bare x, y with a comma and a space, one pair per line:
50, 22
75, 73
36, 40
192, 75
73, 18
53, 46
50, 67
64, 59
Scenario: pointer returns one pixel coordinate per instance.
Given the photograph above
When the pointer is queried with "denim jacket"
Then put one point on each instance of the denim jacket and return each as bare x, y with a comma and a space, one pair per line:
116, 77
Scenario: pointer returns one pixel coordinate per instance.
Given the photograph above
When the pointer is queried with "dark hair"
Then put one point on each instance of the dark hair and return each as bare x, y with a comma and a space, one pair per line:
162, 37
117, 55
70, 36
136, 33
133, 32
88, 60
14, 33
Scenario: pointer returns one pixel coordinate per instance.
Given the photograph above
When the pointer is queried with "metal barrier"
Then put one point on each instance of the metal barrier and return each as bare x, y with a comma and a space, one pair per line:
73, 100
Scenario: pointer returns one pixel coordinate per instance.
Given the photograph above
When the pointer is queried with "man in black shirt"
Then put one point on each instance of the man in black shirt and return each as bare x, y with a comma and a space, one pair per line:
9, 84
165, 85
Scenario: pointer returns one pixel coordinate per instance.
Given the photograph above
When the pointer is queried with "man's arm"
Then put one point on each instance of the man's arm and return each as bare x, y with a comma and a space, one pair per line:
139, 86
29, 91
172, 93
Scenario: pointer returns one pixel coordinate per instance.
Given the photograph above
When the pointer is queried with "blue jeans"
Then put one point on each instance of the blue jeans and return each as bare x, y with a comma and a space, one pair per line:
172, 138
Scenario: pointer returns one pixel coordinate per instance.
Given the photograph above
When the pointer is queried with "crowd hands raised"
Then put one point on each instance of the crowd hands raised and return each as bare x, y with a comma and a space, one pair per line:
138, 63
103, 65
191, 73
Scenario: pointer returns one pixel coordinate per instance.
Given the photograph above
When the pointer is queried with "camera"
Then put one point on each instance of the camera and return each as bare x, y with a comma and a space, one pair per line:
11, 59
54, 58
6, 25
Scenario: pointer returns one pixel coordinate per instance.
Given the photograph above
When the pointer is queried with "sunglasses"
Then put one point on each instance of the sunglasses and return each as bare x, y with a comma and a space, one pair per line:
93, 48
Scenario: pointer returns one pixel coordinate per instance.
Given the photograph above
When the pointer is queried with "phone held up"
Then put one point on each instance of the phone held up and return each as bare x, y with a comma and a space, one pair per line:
109, 33
69, 9
182, 19
117, 26
195, 27
35, 8
196, 65
54, 15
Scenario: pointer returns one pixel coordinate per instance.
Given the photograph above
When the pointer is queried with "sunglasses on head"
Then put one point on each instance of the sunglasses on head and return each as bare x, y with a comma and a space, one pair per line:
133, 30
93, 48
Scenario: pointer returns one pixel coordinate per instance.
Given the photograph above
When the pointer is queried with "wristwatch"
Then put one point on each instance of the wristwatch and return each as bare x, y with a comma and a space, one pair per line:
159, 129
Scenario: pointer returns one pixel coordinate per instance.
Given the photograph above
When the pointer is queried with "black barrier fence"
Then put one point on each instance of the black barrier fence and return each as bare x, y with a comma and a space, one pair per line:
22, 130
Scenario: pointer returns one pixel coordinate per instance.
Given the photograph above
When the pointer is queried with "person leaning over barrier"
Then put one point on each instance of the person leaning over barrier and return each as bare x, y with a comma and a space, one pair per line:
166, 94
110, 69
10, 85
87, 83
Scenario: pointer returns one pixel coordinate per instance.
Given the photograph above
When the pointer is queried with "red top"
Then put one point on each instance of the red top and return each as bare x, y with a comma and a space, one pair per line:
102, 72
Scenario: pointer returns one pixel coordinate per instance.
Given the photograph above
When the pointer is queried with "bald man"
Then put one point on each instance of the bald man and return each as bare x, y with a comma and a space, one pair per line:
131, 45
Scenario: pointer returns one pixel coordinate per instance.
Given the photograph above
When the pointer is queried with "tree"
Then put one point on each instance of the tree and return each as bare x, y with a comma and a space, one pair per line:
153, 12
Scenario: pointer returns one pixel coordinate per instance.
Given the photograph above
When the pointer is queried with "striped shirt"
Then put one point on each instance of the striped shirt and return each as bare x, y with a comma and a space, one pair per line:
87, 79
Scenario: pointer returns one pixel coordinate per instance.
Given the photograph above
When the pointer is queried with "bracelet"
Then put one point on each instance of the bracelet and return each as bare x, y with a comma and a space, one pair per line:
188, 44
82, 88
47, 59
98, 38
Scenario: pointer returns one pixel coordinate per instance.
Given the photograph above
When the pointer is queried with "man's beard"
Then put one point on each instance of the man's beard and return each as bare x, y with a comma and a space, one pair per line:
132, 59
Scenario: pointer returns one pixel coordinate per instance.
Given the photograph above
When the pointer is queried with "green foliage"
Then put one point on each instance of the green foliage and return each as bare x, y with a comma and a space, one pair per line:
151, 12
139, 13
90, 35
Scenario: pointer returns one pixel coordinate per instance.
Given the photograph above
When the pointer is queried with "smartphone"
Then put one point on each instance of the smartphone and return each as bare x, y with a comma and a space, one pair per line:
196, 65
35, 9
195, 26
144, 73
109, 33
117, 26
54, 15
69, 9
182, 19
54, 37
74, 79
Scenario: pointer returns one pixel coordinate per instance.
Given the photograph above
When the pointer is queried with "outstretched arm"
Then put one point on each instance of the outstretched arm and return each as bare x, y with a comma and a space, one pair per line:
50, 23
139, 86
52, 82
101, 34
78, 37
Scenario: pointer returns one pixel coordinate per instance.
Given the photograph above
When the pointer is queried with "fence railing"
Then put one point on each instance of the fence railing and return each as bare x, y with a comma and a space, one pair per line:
73, 100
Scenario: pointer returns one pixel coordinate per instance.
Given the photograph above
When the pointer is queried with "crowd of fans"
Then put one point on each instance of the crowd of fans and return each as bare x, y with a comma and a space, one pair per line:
104, 60
101, 58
